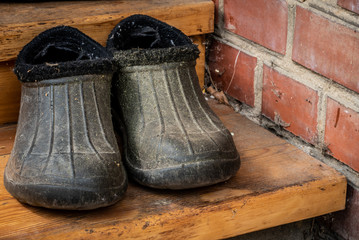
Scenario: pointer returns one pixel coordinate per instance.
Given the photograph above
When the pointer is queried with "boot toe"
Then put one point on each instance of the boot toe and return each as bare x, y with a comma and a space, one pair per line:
65, 197
60, 185
187, 175
182, 163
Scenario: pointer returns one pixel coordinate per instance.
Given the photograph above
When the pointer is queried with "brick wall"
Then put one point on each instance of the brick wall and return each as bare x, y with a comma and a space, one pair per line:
294, 64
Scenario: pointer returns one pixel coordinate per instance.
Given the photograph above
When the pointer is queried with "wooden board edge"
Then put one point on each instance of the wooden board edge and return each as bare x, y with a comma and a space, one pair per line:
227, 219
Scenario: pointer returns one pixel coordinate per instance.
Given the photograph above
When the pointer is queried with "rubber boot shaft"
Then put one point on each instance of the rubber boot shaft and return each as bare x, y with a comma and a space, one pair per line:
174, 140
65, 154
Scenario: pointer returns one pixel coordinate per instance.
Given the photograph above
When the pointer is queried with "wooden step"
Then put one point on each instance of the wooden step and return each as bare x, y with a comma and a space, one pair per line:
21, 22
277, 184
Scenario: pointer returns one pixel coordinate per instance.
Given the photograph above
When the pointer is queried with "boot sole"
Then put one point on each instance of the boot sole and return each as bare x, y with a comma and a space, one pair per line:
187, 175
65, 198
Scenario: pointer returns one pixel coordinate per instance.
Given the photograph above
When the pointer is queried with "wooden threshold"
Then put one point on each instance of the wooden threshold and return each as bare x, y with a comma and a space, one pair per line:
277, 184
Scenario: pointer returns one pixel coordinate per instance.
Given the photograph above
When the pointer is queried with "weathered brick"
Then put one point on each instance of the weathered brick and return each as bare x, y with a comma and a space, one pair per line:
290, 104
342, 133
235, 79
262, 21
327, 48
216, 8
351, 5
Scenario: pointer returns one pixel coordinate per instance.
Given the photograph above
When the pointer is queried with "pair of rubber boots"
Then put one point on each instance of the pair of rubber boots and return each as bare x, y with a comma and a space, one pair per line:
65, 154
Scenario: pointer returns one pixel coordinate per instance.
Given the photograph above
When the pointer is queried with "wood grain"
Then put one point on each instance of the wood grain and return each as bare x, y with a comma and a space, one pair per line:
10, 90
95, 18
200, 41
7, 136
277, 184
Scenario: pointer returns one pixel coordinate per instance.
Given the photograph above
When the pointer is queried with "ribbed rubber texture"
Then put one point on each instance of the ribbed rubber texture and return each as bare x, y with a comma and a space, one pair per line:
174, 140
65, 154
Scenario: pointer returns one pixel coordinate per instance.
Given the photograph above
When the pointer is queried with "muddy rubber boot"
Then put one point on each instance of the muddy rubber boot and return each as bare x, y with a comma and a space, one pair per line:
174, 140
65, 154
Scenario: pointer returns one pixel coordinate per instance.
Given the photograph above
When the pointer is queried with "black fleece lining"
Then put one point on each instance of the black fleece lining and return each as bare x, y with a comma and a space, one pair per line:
61, 52
142, 40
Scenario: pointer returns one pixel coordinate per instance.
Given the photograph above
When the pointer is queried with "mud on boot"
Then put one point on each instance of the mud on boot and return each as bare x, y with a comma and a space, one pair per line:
174, 140
65, 154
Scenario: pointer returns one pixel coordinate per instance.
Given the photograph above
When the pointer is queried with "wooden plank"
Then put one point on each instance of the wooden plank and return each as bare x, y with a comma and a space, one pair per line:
277, 184
199, 40
95, 18
10, 90
7, 136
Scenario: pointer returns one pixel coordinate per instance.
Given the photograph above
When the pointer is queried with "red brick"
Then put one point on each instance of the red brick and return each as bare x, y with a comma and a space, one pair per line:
235, 79
292, 104
262, 21
327, 48
342, 133
351, 5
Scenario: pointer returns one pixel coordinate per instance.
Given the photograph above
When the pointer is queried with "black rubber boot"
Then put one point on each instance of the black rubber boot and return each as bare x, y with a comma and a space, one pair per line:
65, 154
174, 140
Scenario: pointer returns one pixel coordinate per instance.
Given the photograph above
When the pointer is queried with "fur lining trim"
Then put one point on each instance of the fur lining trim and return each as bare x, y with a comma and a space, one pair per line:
61, 52
143, 40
